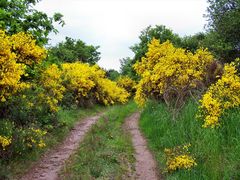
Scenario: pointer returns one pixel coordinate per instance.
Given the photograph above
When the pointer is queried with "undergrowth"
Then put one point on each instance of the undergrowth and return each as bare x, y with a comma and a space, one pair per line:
16, 167
216, 150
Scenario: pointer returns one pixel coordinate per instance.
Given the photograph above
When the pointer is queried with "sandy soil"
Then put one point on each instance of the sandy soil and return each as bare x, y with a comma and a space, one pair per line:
52, 162
145, 164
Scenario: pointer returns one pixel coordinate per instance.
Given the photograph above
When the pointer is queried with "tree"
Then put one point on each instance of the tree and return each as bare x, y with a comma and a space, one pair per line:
126, 68
221, 49
192, 43
74, 50
224, 20
112, 74
20, 16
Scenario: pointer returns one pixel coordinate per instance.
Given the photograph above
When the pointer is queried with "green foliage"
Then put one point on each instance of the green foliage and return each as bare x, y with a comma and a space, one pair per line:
222, 50
73, 50
26, 108
126, 68
215, 150
20, 16
194, 42
224, 19
112, 74
106, 152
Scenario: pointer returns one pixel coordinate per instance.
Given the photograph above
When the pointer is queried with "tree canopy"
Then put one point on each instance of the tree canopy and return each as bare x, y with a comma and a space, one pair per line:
20, 16
224, 21
157, 32
72, 50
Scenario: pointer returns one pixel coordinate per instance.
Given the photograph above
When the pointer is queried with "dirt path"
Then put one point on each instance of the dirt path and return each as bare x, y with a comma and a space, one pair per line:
52, 162
145, 163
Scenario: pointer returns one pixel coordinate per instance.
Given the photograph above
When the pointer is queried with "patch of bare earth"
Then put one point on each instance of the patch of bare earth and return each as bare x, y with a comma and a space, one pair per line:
145, 167
52, 162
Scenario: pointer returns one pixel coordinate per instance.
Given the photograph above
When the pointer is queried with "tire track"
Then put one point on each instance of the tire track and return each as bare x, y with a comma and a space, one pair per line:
50, 164
145, 167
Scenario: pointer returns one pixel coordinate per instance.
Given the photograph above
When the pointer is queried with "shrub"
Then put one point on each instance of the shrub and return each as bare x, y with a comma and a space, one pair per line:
89, 84
127, 83
222, 95
170, 72
179, 158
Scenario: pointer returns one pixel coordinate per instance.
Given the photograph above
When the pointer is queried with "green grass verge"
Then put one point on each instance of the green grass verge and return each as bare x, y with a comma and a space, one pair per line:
106, 152
14, 168
216, 150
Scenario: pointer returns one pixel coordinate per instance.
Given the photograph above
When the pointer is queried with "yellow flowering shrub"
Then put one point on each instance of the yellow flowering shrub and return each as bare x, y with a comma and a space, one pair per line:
179, 158
26, 50
168, 69
90, 82
127, 83
109, 93
78, 77
222, 95
10, 70
35, 138
51, 82
5, 141
16, 52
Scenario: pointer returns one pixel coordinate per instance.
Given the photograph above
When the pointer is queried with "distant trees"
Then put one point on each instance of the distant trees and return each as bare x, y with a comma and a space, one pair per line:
112, 74
224, 24
193, 42
72, 50
126, 68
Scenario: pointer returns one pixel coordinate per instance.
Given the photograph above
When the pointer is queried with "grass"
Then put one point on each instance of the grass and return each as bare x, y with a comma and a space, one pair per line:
106, 152
14, 168
216, 150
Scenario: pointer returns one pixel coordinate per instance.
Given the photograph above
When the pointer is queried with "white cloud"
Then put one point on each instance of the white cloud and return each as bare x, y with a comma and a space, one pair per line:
116, 24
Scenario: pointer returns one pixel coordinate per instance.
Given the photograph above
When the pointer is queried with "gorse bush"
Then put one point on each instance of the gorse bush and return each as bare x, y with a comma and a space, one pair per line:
127, 83
170, 73
53, 89
221, 96
17, 52
179, 158
89, 84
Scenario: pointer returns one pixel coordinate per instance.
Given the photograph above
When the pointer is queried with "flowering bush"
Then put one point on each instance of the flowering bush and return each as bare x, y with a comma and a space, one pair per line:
17, 51
222, 95
5, 141
179, 158
51, 81
34, 138
26, 50
127, 83
170, 72
90, 83
107, 92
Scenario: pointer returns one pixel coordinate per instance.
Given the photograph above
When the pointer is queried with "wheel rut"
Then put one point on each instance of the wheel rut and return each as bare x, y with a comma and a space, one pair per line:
48, 167
145, 166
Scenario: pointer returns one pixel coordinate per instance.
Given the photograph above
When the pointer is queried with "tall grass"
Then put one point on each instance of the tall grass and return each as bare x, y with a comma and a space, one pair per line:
216, 150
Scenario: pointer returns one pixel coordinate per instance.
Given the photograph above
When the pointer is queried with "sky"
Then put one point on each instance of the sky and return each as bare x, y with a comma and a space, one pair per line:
115, 25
